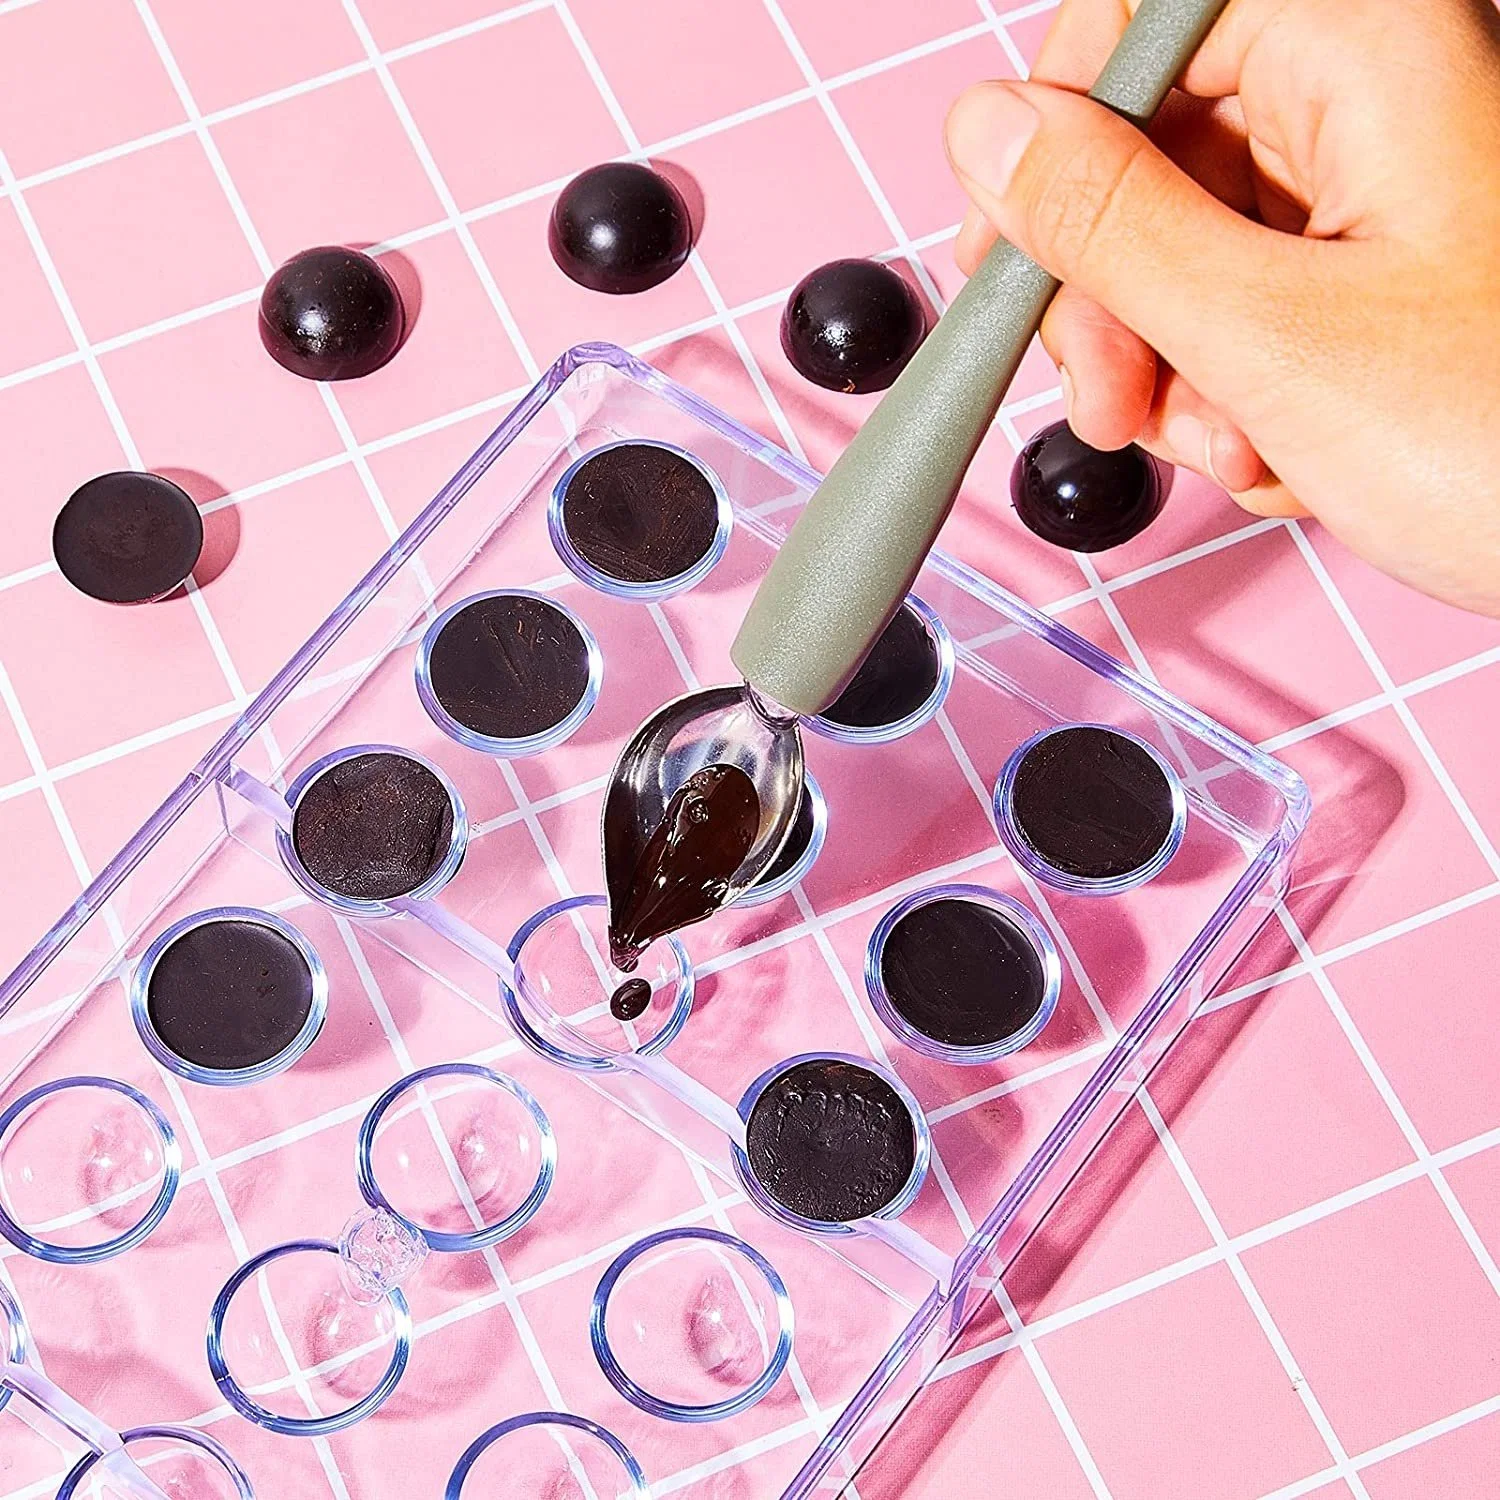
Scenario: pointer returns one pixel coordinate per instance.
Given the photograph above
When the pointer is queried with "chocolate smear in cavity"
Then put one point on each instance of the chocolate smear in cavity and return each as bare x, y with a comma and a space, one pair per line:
831, 1141
1092, 803
229, 994
509, 666
374, 826
962, 973
894, 680
640, 513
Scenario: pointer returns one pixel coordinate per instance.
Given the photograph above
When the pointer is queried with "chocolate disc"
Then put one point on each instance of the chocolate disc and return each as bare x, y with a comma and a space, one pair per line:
1092, 803
374, 826
894, 680
509, 666
831, 1141
127, 538
962, 972
229, 994
640, 513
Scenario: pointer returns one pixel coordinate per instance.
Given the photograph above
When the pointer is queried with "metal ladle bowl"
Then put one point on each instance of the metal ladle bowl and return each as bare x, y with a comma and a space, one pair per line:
720, 726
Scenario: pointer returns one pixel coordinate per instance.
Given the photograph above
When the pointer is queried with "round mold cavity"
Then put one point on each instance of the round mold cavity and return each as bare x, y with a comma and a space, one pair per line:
1137, 773
544, 736
703, 1320
327, 1329
805, 842
654, 584
901, 1199
203, 1451
1029, 945
15, 1342
457, 1118
544, 1453
169, 1057
79, 1152
437, 877
882, 701
559, 1000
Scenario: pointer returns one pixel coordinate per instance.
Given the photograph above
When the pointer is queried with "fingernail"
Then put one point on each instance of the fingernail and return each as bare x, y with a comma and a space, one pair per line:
1193, 441
988, 132
1066, 382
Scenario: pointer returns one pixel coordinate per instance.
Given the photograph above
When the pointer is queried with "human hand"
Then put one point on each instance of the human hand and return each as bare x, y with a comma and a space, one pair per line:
1294, 286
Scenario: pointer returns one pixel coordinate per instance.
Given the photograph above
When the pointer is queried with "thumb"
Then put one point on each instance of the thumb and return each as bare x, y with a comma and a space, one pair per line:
1089, 198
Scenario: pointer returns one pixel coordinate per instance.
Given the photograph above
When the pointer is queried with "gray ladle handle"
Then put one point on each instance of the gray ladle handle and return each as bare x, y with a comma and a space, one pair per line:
855, 550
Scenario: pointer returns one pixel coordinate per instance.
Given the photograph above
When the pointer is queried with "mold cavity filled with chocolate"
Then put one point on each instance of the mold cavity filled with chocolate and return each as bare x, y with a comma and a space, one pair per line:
965, 970
229, 994
509, 671
373, 826
1089, 807
831, 1141
900, 683
639, 519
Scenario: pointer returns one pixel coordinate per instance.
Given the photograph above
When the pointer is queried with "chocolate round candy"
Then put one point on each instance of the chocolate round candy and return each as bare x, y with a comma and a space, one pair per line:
894, 680
1085, 499
229, 994
831, 1141
1093, 803
962, 972
373, 827
852, 325
331, 313
127, 538
640, 513
509, 666
619, 228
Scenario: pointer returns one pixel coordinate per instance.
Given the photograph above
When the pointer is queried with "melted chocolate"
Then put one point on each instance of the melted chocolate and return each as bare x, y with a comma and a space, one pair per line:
962, 973
127, 538
796, 841
1092, 803
229, 994
684, 867
894, 680
373, 827
831, 1141
640, 513
509, 666
631, 1000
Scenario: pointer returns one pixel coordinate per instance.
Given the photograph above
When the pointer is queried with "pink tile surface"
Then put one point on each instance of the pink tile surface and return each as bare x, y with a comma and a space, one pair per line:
1152, 1376
81, 52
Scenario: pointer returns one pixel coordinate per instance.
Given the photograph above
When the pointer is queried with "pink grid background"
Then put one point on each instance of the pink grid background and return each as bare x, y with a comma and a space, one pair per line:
1286, 1257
